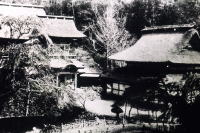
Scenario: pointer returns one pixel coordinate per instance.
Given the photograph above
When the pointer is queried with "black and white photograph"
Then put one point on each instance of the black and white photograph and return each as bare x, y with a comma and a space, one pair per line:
99, 66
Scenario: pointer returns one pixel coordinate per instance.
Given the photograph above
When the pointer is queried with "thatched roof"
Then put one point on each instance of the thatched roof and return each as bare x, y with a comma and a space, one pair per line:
168, 44
7, 9
61, 27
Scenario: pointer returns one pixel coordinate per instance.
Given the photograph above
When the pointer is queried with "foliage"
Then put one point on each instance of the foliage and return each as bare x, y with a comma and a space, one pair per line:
109, 30
169, 15
104, 24
177, 97
174, 93
54, 9
67, 8
181, 94
36, 93
144, 96
141, 14
63, 8
84, 15
152, 13
107, 25
188, 12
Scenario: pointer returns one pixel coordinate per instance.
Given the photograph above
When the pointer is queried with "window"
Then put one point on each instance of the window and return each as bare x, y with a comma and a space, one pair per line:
116, 88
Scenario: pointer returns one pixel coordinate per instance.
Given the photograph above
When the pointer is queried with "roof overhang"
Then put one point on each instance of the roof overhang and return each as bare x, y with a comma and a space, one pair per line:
11, 40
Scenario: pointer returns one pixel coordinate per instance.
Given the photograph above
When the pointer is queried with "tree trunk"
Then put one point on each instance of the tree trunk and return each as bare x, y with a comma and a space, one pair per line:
84, 104
27, 104
156, 119
125, 110
129, 113
28, 100
149, 117
163, 123
137, 111
138, 114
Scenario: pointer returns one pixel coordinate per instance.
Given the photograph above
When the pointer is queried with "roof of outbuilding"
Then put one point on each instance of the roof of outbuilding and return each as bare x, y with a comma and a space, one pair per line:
169, 46
7, 9
61, 27
165, 28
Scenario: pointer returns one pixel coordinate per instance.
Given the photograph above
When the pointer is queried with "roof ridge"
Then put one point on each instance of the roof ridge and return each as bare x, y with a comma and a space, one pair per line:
21, 5
169, 27
55, 16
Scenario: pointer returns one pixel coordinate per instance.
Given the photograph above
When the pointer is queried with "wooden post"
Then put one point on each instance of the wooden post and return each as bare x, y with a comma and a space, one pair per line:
111, 65
111, 88
124, 118
118, 89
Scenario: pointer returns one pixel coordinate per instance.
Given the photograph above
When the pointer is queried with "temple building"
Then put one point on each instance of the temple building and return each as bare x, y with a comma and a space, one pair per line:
161, 50
60, 29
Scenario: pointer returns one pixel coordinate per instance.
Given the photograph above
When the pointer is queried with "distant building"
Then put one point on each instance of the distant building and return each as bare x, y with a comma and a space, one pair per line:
16, 10
33, 2
167, 2
182, 1
9, 9
60, 28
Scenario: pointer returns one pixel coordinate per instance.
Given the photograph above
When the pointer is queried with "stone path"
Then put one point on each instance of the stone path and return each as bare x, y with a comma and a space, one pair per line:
103, 107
